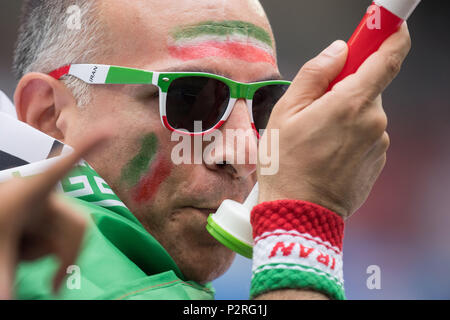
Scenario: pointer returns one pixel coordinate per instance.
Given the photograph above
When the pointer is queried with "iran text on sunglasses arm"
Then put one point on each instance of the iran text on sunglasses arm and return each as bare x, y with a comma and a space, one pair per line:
203, 73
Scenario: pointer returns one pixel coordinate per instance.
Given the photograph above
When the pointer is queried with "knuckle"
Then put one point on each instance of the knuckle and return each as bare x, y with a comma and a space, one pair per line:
378, 124
381, 121
393, 64
363, 116
382, 162
314, 69
408, 42
385, 142
313, 66
372, 127
358, 104
363, 101
406, 39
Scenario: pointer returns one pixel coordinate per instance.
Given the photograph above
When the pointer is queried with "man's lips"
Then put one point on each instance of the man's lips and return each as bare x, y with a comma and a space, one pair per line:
205, 211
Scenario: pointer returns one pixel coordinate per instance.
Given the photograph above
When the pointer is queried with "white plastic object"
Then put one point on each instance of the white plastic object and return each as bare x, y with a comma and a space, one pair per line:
231, 224
401, 8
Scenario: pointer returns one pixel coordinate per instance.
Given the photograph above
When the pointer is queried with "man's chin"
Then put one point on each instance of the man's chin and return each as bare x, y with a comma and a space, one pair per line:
202, 259
207, 264
199, 256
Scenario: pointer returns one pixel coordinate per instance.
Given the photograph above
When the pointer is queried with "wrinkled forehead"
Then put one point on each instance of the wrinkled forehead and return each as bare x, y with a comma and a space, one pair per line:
147, 31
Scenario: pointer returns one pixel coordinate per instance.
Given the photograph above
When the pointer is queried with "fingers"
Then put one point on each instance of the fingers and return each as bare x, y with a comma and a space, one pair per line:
69, 226
378, 71
380, 147
315, 76
372, 120
46, 181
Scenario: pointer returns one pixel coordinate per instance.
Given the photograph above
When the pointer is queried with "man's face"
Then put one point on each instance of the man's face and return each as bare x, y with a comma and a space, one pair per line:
173, 201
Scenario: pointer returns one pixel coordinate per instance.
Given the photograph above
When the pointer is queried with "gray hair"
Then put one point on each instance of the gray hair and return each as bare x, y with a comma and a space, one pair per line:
47, 42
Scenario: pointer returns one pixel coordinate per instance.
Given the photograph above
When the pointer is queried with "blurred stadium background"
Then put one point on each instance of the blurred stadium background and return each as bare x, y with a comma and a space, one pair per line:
404, 226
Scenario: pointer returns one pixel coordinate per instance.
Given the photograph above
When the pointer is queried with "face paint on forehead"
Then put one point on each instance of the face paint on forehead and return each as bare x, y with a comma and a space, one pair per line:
227, 39
223, 29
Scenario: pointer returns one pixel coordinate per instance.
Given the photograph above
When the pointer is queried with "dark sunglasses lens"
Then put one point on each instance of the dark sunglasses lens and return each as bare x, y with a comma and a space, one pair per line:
264, 100
192, 99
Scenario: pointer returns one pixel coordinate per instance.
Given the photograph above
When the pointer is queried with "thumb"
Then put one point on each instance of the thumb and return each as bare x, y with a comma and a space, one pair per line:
315, 76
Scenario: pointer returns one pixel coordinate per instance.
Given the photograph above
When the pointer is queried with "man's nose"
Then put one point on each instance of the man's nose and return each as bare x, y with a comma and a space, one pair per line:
237, 154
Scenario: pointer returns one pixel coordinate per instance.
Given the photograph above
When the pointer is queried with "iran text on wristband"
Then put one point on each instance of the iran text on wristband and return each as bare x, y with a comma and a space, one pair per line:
297, 245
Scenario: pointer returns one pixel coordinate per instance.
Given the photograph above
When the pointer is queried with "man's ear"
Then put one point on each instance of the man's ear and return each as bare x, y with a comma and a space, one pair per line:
39, 101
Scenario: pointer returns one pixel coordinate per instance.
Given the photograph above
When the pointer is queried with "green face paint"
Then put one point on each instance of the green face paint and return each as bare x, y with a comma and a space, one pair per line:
139, 165
226, 39
223, 29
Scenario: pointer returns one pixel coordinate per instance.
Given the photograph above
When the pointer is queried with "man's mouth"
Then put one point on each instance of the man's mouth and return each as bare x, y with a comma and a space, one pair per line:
205, 211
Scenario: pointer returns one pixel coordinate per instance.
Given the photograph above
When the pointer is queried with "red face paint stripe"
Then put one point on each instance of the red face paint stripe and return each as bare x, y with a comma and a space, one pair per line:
149, 185
234, 50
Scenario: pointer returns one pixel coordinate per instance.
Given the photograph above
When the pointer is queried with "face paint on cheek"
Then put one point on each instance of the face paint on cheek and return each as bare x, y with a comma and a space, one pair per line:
133, 171
146, 171
150, 183
225, 39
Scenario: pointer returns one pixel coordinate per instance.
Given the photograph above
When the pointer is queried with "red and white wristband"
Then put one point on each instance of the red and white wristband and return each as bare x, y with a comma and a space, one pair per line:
297, 245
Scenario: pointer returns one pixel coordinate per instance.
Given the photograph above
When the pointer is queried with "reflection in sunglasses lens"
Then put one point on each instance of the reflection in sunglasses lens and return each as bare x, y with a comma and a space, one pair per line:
191, 99
264, 100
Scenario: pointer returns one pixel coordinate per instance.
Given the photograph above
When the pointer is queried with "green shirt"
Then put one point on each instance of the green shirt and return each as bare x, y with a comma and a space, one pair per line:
119, 258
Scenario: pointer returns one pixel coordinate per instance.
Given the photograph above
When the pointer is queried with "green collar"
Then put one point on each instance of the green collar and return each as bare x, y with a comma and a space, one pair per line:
117, 222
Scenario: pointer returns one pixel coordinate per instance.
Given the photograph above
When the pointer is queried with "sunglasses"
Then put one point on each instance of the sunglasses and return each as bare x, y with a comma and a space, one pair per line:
186, 98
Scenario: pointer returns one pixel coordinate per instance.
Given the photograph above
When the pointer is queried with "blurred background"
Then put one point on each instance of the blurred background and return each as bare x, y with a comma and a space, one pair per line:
404, 227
